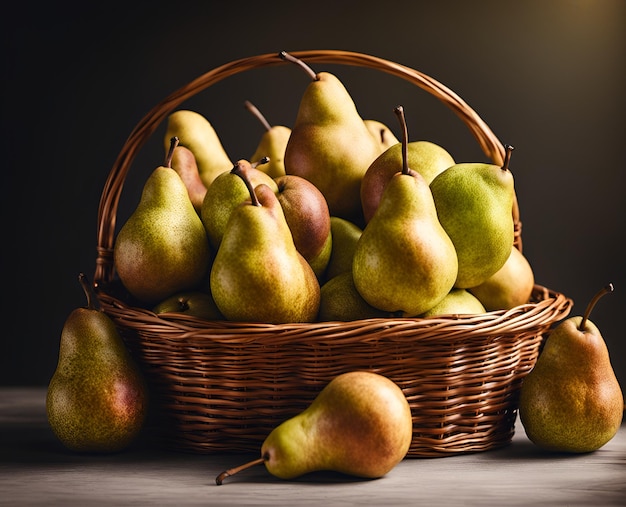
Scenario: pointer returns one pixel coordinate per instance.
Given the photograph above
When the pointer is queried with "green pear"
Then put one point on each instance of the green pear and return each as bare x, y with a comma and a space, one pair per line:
456, 302
163, 247
340, 301
272, 144
258, 274
184, 163
196, 133
474, 204
330, 144
360, 424
195, 303
404, 261
428, 159
512, 285
226, 193
571, 400
307, 215
97, 398
345, 236
382, 133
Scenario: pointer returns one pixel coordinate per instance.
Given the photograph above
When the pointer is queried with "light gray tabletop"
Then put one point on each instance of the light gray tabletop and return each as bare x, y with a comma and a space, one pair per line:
36, 470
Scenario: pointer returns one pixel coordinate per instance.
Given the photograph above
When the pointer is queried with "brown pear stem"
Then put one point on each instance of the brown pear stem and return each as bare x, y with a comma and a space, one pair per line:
93, 303
507, 156
242, 174
259, 116
170, 153
259, 162
232, 471
311, 73
604, 290
405, 139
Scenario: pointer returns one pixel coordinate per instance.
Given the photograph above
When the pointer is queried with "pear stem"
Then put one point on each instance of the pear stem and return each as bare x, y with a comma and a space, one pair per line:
286, 56
605, 290
259, 162
170, 153
93, 303
507, 156
405, 139
239, 172
259, 116
232, 471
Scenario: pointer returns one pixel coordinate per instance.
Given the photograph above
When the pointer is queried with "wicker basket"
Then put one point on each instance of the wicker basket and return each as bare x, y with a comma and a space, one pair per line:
222, 386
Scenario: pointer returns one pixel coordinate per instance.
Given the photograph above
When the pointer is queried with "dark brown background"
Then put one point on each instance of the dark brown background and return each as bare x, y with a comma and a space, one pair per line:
547, 76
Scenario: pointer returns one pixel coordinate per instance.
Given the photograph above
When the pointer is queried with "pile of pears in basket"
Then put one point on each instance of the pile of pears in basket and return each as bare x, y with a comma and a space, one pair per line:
334, 219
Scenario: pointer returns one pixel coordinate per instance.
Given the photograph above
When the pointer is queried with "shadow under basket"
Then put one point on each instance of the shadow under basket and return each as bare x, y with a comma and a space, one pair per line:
223, 386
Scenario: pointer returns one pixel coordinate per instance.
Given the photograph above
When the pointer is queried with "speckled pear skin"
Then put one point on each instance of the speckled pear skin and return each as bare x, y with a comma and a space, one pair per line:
97, 398
360, 424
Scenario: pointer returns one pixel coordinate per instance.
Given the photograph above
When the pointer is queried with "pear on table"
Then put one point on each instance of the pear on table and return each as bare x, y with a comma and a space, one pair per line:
330, 144
272, 144
258, 275
162, 248
404, 261
571, 401
360, 424
97, 398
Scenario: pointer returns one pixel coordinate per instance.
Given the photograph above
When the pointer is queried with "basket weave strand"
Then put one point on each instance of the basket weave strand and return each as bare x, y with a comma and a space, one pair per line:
223, 386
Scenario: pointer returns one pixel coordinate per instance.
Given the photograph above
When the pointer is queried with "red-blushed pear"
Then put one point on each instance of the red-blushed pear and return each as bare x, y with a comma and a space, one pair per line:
512, 285
571, 401
307, 215
184, 163
258, 275
272, 143
330, 145
404, 261
360, 424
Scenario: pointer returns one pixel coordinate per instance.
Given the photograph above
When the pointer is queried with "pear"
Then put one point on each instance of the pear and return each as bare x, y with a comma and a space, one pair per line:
184, 163
97, 398
330, 145
428, 159
345, 236
195, 303
456, 302
163, 247
340, 301
404, 261
474, 204
308, 217
382, 133
272, 144
196, 133
571, 400
258, 274
226, 193
512, 285
360, 424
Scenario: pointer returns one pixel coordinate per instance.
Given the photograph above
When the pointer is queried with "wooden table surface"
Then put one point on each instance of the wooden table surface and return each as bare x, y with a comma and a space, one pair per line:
36, 470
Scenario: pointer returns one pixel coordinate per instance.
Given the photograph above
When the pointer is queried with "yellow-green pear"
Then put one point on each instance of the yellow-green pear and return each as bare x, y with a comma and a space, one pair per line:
97, 399
340, 301
404, 261
195, 303
258, 274
197, 133
382, 133
571, 401
272, 144
162, 248
345, 236
456, 302
474, 204
360, 424
512, 285
330, 144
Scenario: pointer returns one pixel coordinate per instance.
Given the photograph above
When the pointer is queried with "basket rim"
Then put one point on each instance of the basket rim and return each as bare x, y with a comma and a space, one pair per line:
111, 193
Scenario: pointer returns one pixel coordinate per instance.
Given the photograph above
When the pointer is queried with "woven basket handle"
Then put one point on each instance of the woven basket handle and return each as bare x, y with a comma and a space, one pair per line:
109, 200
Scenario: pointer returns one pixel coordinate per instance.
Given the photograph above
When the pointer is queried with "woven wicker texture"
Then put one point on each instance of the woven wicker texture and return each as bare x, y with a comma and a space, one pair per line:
222, 386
